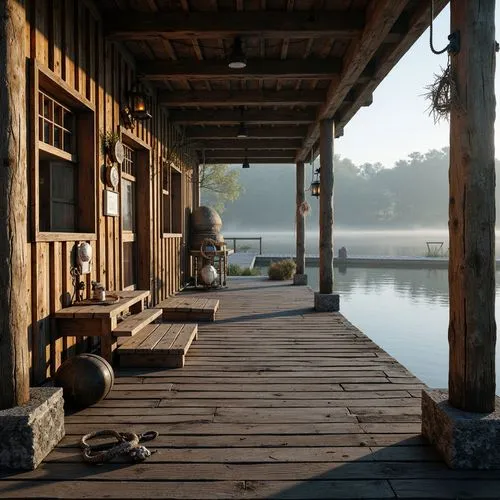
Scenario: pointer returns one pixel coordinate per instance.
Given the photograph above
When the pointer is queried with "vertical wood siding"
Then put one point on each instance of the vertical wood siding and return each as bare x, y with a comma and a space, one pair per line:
65, 39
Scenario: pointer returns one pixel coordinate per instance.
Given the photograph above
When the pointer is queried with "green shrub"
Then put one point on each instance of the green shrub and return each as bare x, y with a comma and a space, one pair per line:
282, 270
234, 270
250, 272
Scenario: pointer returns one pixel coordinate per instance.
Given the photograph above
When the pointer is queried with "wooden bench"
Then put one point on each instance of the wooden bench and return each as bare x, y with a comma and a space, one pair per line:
189, 309
161, 346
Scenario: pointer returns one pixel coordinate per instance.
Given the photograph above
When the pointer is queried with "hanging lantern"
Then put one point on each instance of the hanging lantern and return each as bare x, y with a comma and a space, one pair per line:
315, 185
140, 105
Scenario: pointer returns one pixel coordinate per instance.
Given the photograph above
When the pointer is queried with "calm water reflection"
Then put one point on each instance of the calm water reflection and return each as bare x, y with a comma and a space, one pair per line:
405, 311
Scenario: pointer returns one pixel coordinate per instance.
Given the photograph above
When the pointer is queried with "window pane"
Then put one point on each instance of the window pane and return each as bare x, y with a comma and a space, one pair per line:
63, 182
63, 217
129, 264
128, 205
57, 138
47, 126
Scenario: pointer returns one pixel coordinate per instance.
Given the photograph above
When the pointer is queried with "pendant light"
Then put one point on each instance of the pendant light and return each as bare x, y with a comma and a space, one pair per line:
315, 184
242, 129
245, 161
237, 59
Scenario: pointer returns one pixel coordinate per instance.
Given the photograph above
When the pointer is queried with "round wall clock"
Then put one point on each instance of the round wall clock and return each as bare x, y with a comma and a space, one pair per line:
112, 176
118, 152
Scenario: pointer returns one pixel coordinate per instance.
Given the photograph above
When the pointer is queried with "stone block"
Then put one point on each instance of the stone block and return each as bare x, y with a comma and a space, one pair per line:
31, 431
326, 302
300, 279
465, 440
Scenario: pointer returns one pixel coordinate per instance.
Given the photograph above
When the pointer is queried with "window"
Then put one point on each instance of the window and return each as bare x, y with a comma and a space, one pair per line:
66, 162
56, 124
167, 221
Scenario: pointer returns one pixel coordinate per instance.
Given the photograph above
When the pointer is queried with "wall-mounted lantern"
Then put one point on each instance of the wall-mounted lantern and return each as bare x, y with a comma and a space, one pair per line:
315, 184
140, 104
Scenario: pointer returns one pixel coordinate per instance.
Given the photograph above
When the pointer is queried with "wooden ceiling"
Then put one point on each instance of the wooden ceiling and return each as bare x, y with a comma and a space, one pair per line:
307, 60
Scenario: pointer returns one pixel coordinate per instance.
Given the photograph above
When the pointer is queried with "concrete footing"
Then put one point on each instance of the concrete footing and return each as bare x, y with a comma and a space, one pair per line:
465, 440
326, 302
30, 432
300, 279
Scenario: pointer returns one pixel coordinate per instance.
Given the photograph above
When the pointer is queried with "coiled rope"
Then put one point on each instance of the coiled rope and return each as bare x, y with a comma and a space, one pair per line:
127, 444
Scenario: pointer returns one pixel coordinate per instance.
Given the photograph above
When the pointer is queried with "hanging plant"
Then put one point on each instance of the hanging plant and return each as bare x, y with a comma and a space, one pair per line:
109, 139
304, 208
442, 94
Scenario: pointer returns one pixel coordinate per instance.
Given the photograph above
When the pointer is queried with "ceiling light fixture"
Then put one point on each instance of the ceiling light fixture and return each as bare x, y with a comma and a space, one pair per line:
245, 161
237, 59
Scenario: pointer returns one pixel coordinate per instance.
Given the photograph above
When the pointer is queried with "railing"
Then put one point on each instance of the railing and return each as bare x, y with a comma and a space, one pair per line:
234, 240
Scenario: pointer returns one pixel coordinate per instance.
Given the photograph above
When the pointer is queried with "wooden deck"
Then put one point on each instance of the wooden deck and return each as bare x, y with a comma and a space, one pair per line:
275, 401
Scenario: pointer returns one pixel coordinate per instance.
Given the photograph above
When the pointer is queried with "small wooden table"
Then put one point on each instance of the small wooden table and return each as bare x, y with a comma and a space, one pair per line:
100, 320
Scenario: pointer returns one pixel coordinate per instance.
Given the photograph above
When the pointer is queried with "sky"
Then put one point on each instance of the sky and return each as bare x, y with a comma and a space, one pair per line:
398, 123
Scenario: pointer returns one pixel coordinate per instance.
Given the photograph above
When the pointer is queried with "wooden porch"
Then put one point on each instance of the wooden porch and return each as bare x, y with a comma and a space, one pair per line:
275, 401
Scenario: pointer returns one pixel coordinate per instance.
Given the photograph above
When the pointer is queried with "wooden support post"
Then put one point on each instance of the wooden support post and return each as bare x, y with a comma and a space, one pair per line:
14, 359
326, 207
196, 186
300, 220
472, 330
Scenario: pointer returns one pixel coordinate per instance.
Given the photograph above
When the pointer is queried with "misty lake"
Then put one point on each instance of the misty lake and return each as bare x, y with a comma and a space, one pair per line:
405, 311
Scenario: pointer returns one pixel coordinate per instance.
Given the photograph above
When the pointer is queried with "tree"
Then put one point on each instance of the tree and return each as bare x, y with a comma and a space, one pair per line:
219, 184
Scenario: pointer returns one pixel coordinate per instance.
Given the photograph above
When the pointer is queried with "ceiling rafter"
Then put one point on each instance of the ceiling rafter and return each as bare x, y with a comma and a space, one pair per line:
250, 116
255, 69
224, 98
417, 25
254, 133
269, 24
250, 144
380, 22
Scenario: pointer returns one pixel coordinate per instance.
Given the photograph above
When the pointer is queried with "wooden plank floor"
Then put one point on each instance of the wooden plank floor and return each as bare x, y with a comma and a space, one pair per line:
275, 401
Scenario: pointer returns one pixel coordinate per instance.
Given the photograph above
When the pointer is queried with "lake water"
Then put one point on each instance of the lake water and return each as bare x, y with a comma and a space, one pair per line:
405, 311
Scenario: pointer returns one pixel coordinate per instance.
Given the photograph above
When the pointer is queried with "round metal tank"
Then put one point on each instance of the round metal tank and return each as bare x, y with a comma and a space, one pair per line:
205, 223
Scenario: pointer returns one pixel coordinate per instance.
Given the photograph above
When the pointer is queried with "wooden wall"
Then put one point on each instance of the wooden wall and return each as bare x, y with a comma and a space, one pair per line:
65, 43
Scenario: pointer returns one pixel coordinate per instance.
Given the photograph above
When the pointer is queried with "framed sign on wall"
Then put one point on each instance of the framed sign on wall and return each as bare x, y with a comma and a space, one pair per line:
111, 203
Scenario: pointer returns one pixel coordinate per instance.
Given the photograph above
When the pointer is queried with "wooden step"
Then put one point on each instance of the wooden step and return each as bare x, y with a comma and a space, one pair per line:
183, 308
163, 346
136, 322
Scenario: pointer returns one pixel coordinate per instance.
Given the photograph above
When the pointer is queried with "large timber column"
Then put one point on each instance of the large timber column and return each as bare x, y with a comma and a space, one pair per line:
472, 330
454, 421
196, 186
326, 300
14, 359
300, 277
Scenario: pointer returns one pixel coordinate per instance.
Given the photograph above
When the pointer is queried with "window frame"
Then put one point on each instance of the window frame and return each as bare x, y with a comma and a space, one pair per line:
172, 170
84, 155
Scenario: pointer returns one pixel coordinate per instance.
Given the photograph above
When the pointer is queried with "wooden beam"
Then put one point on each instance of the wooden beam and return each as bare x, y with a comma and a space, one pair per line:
250, 154
391, 55
213, 25
256, 161
231, 144
300, 197
202, 98
223, 133
251, 116
14, 357
255, 69
471, 275
380, 22
326, 207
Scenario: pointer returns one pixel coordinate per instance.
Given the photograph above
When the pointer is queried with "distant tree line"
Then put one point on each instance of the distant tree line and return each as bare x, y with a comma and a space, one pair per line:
412, 194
